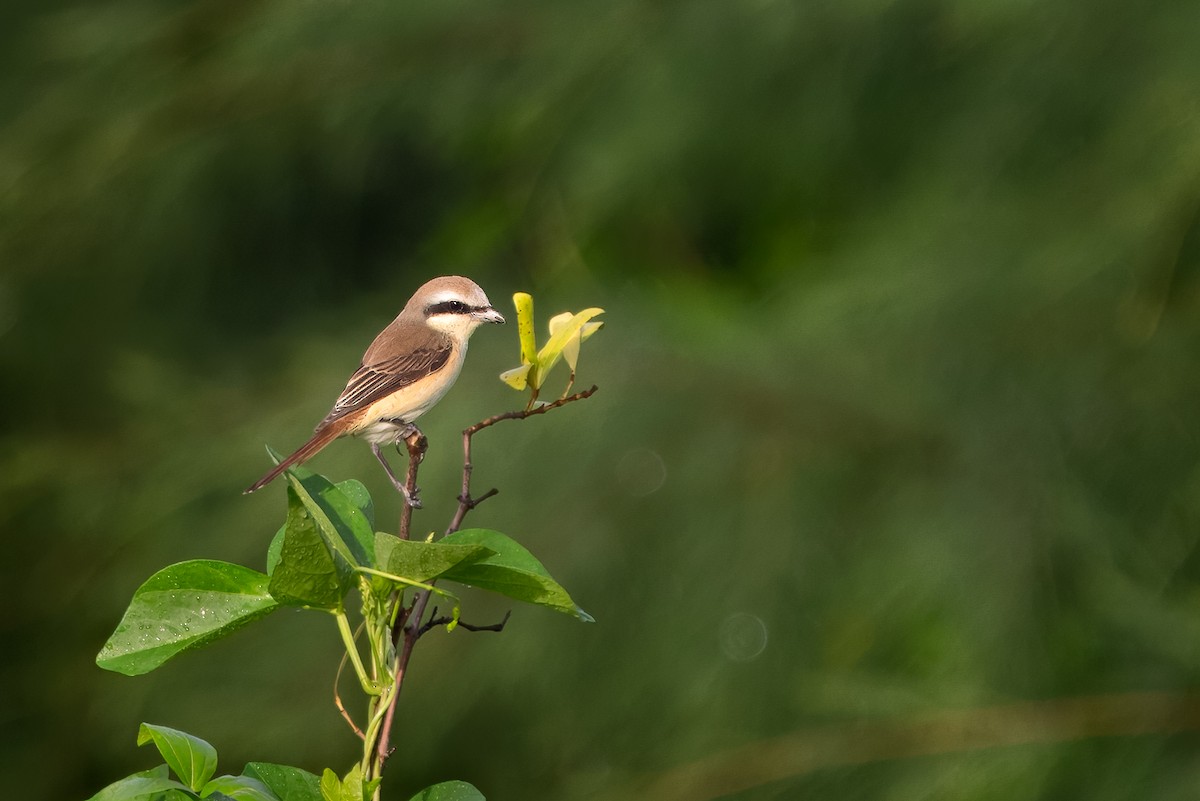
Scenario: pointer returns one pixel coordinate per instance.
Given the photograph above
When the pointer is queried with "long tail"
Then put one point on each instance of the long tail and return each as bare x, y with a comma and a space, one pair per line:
323, 437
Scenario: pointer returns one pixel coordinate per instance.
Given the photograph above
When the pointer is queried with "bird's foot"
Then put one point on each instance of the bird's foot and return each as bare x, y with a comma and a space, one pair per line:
405, 431
410, 497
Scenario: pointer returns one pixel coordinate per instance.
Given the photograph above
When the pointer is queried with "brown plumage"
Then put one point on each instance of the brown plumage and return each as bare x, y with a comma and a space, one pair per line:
405, 371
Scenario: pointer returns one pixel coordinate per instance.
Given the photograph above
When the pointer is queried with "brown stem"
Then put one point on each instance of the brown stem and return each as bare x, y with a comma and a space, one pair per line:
417, 445
435, 621
465, 502
408, 627
384, 748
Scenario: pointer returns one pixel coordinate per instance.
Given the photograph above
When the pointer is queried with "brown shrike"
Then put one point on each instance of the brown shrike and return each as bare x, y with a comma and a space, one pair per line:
407, 369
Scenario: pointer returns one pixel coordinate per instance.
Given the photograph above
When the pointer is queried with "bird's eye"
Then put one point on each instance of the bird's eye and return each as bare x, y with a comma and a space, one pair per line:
448, 307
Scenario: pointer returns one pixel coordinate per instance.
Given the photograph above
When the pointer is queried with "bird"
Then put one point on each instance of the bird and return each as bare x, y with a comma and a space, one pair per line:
406, 370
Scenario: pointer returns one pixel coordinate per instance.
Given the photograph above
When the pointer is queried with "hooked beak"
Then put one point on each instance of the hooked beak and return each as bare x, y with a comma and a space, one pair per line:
489, 315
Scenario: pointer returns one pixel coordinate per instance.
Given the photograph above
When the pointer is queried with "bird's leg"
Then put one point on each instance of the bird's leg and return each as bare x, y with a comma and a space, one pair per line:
410, 498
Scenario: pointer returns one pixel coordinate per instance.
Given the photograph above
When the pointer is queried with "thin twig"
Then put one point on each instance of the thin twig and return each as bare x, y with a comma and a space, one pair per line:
337, 699
435, 621
408, 628
465, 502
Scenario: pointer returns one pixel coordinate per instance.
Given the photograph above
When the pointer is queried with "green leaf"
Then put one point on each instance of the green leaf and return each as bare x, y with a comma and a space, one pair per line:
352, 788
449, 791
144, 785
350, 534
183, 607
331, 786
358, 495
290, 784
307, 572
239, 788
193, 760
423, 561
275, 550
352, 489
326, 536
511, 571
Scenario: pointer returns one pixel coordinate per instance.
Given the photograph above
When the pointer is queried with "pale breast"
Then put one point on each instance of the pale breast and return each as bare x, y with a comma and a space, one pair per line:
380, 421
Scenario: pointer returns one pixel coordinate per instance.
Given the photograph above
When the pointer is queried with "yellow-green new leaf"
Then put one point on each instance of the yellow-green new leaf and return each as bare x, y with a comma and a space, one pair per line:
523, 302
518, 377
550, 353
567, 331
570, 352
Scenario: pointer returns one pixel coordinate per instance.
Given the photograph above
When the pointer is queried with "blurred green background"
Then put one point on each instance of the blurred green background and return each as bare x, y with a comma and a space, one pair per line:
899, 407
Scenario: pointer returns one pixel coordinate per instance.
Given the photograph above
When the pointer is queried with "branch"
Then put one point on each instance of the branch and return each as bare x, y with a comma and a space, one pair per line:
435, 621
408, 628
522, 414
417, 445
404, 653
465, 502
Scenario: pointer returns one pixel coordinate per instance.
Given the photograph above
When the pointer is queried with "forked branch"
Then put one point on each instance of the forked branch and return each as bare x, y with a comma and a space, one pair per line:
465, 502
409, 628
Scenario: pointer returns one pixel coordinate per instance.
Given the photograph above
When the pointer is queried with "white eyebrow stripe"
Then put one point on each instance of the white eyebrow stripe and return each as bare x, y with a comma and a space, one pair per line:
446, 295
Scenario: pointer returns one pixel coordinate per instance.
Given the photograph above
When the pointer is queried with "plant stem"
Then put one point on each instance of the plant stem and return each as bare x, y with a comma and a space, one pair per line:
408, 627
465, 502
409, 635
369, 686
417, 445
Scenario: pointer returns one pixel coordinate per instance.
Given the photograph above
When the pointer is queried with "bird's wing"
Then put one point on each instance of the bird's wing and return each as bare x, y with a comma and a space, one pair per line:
375, 381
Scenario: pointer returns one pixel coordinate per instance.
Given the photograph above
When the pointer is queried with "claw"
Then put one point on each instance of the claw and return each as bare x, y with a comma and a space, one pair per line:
405, 432
411, 498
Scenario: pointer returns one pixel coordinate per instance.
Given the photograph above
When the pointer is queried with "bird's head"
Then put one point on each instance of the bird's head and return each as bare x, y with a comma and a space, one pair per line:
454, 305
